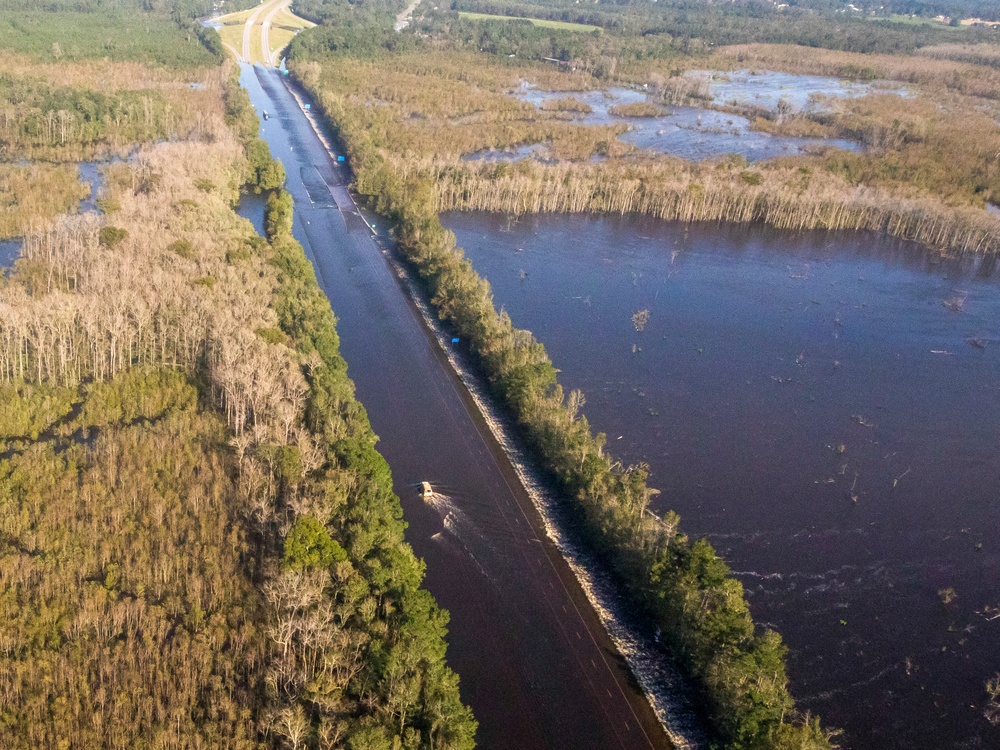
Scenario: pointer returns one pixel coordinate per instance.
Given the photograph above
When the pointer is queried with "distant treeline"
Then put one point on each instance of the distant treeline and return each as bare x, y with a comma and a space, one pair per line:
684, 586
635, 32
180, 9
720, 24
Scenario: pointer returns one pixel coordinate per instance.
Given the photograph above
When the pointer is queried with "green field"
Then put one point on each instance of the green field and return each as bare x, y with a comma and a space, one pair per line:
561, 25
913, 21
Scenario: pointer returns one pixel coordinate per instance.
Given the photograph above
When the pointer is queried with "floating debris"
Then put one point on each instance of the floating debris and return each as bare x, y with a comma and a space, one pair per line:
955, 304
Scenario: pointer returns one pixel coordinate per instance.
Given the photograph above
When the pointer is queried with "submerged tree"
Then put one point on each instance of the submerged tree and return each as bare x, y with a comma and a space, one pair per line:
640, 319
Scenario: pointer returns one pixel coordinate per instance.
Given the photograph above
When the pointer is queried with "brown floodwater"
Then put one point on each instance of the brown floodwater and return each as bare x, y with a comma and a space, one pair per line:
825, 408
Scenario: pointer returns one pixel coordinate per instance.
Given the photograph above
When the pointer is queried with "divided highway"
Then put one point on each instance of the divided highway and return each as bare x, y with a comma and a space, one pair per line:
537, 667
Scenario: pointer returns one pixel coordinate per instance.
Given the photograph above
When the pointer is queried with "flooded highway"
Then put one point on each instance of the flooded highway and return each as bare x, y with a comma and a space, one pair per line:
536, 665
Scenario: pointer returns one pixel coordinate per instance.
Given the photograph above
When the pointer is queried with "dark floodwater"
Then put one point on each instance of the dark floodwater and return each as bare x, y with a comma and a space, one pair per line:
802, 93
9, 252
251, 207
697, 133
91, 174
826, 409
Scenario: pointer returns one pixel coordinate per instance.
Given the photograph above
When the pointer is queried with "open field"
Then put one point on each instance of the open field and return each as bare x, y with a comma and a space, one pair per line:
911, 20
541, 23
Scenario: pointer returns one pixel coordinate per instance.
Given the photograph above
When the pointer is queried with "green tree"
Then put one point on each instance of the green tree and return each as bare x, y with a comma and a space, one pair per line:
309, 546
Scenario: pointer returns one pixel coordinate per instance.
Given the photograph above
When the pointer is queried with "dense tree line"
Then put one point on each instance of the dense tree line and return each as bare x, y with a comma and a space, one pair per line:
179, 9
347, 575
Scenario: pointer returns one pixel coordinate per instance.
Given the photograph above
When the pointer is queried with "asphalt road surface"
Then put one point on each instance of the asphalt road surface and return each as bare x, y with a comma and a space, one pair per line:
536, 665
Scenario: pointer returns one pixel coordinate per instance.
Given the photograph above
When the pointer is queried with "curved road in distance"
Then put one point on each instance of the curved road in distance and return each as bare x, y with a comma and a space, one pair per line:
270, 56
248, 32
536, 665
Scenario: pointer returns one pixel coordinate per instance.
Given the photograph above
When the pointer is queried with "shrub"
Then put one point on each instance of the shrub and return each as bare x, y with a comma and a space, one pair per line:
111, 237
309, 546
183, 248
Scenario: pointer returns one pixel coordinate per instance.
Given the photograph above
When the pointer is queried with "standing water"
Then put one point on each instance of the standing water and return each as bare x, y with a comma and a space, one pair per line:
252, 208
10, 251
825, 408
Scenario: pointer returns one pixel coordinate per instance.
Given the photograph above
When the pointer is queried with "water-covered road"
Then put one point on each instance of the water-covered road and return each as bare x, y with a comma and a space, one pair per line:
536, 665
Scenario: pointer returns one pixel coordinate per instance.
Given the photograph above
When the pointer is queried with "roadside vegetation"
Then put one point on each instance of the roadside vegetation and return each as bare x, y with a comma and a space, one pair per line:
200, 545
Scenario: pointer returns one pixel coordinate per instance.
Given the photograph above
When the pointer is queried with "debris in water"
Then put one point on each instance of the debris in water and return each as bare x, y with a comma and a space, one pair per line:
955, 304
947, 595
640, 319
978, 343
940, 351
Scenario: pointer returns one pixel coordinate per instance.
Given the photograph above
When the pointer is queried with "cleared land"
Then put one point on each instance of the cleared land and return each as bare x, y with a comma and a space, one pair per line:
561, 25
